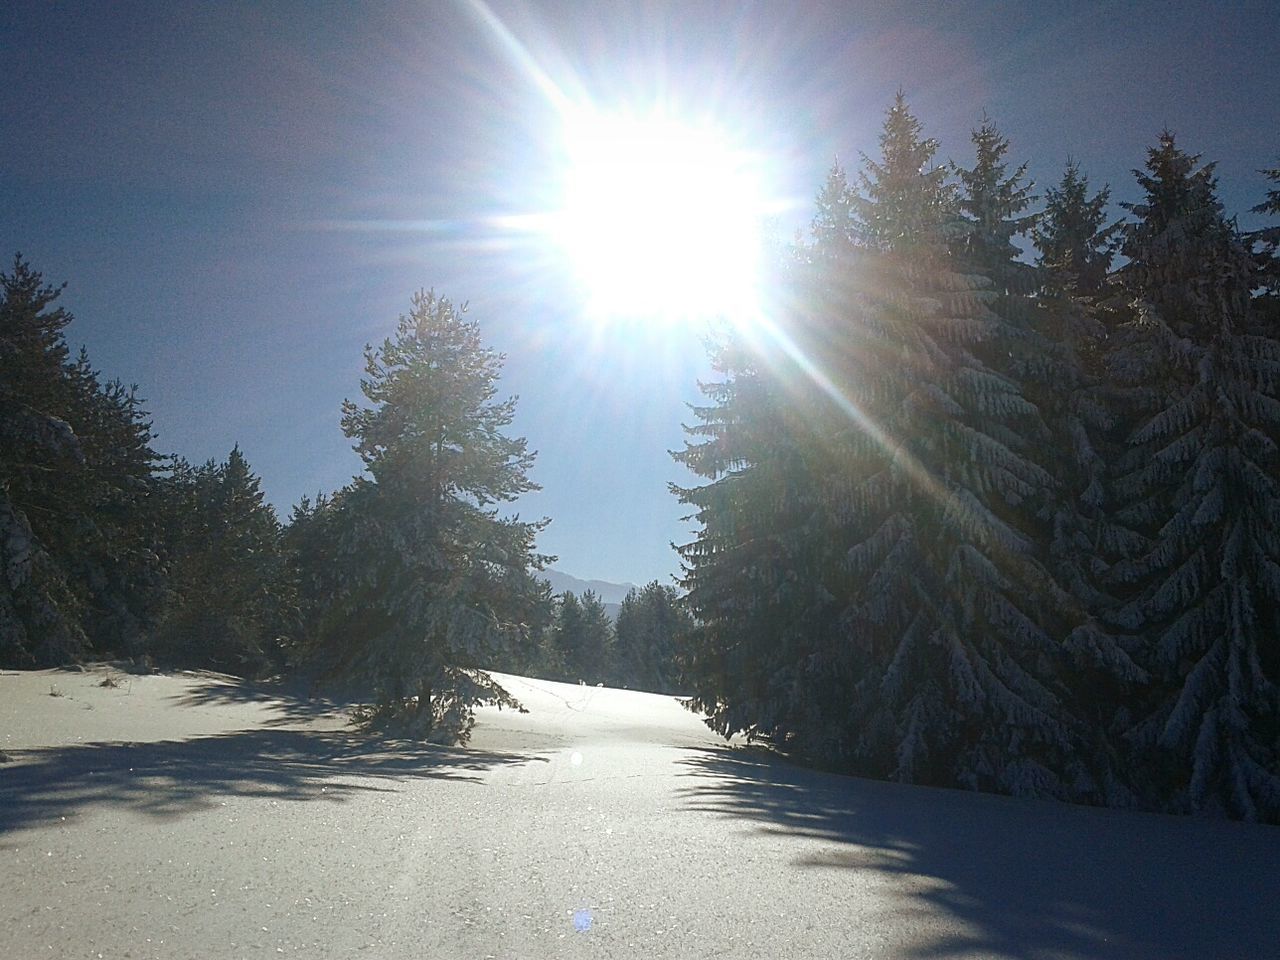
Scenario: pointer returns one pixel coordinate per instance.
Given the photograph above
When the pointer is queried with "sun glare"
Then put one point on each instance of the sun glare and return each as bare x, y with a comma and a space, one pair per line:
661, 220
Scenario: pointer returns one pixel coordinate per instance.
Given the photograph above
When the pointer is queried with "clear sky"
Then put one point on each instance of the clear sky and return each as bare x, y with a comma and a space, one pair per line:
241, 195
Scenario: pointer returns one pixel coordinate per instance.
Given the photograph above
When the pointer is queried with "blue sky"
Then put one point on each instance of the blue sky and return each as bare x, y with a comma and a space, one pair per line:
242, 195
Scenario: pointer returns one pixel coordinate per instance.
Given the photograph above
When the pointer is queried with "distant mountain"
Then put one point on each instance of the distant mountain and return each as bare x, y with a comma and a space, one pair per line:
607, 591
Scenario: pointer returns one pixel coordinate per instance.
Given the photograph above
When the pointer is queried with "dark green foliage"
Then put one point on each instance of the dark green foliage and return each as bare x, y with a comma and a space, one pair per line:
577, 644
80, 573
429, 585
955, 674
1075, 308
1267, 313
864, 585
309, 543
584, 637
40, 610
230, 601
651, 631
994, 202
116, 554
1198, 486
755, 576
1270, 236
1072, 236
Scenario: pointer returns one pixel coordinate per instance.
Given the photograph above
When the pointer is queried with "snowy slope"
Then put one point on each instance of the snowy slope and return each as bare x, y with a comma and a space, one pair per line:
194, 816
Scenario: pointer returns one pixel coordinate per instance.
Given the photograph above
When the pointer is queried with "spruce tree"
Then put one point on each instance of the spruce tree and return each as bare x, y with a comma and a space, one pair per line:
596, 653
118, 528
1074, 243
1271, 205
40, 604
1199, 484
230, 599
1072, 236
754, 575
864, 586
994, 201
310, 545
583, 637
763, 577
651, 630
434, 585
953, 677
1267, 243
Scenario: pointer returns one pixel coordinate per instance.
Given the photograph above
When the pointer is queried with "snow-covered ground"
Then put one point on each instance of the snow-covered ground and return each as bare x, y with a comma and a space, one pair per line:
195, 816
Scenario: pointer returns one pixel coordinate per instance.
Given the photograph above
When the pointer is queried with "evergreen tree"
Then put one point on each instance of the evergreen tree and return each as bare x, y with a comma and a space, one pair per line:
230, 603
994, 201
651, 630
1075, 248
762, 577
832, 230
40, 607
1199, 484
1072, 236
434, 584
76, 470
566, 635
310, 546
754, 575
1267, 240
596, 651
954, 676
864, 585
548, 659
583, 637
118, 527
1271, 205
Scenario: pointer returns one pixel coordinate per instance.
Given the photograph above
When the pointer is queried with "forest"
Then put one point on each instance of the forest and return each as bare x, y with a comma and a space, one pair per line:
990, 501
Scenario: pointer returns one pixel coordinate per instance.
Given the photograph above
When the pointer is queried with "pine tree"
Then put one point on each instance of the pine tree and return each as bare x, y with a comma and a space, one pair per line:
832, 229
651, 630
762, 577
40, 605
1267, 240
754, 575
118, 526
994, 201
230, 599
1074, 243
583, 636
596, 655
310, 544
1072, 236
1199, 483
862, 585
435, 585
1270, 236
952, 676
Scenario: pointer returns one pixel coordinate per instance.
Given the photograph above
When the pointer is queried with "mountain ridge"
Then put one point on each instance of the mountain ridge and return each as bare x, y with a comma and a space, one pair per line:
610, 593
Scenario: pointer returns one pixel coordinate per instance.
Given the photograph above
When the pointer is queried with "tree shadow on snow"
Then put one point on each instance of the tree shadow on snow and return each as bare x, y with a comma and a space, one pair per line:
1028, 879
170, 778
289, 701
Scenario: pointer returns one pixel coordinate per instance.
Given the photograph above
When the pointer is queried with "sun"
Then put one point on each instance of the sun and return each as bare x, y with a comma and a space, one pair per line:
661, 220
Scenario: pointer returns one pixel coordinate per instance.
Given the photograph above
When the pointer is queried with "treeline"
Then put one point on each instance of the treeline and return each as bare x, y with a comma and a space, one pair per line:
407, 582
110, 549
974, 521
639, 650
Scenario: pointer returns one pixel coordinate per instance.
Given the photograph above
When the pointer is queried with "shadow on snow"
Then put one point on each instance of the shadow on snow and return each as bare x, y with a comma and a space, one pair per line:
288, 701
1025, 879
170, 778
